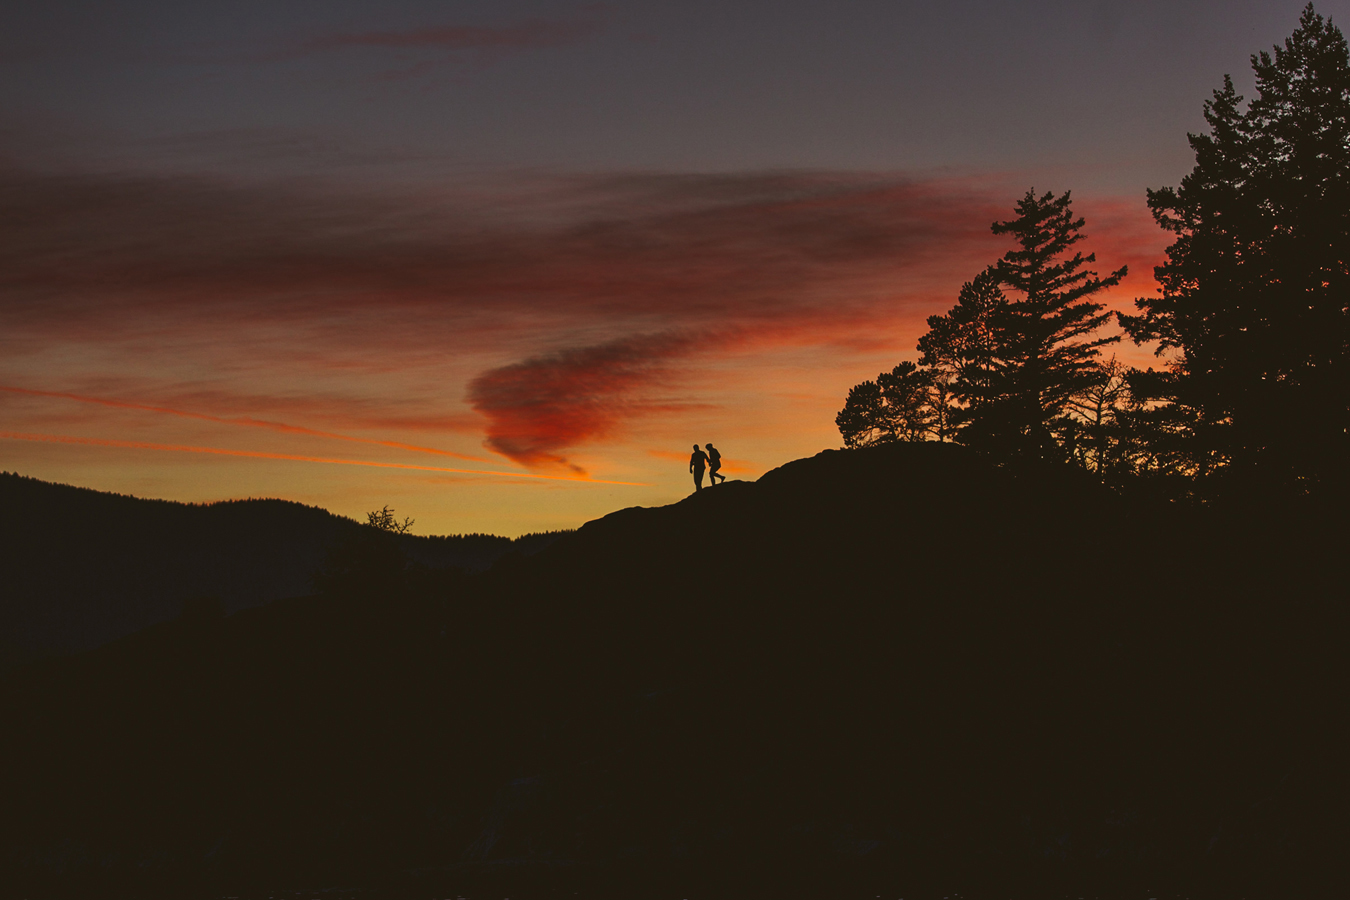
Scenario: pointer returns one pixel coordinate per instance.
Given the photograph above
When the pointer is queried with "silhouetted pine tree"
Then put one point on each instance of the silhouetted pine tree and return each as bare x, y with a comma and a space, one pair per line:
963, 347
1042, 335
862, 420
898, 406
1000, 372
942, 405
1096, 413
1254, 291
906, 390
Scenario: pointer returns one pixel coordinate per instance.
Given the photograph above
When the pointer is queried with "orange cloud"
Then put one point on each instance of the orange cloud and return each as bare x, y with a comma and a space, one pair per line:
259, 454
242, 421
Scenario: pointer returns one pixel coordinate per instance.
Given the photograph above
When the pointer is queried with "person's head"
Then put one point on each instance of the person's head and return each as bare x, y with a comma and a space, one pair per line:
710, 446
696, 446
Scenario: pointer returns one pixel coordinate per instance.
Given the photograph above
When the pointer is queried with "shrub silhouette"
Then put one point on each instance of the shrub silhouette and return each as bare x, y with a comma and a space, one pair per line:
384, 520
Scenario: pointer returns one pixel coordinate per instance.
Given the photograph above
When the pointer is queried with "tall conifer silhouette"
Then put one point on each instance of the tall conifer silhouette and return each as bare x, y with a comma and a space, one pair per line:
963, 345
998, 371
1044, 330
1255, 291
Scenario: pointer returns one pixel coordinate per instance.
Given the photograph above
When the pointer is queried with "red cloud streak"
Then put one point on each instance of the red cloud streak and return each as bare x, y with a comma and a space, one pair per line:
647, 269
240, 421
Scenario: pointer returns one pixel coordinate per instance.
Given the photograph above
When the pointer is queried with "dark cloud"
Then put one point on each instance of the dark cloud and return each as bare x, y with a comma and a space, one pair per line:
529, 35
429, 45
420, 51
693, 247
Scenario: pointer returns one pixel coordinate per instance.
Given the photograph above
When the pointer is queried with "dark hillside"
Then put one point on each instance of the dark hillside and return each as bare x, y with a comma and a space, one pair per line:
82, 567
898, 669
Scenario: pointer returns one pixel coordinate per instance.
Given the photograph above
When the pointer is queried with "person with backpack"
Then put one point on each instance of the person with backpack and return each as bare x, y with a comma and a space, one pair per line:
714, 463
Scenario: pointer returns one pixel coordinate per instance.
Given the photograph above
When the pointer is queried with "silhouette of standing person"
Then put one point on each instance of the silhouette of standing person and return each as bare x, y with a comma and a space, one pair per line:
714, 463
697, 461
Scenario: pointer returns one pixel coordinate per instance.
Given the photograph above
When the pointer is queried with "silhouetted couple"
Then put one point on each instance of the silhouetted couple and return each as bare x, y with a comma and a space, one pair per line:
712, 460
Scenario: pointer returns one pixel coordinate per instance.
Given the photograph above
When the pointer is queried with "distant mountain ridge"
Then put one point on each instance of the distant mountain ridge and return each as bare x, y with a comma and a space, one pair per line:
82, 567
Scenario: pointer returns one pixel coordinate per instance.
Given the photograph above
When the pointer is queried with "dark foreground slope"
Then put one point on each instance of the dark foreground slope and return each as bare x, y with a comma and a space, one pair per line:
81, 567
896, 671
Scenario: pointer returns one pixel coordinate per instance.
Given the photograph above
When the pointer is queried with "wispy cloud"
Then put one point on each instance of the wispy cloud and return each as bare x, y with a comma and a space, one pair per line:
550, 311
290, 457
414, 52
677, 247
529, 35
236, 421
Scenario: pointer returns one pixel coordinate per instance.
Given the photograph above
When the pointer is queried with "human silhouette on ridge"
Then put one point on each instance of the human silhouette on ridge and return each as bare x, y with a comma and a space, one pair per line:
714, 463
697, 461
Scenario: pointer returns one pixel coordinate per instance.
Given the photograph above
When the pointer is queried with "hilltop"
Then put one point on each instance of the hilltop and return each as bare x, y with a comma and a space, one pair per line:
83, 567
901, 669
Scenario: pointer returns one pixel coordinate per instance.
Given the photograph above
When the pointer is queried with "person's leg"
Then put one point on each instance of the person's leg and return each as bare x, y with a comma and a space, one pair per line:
698, 479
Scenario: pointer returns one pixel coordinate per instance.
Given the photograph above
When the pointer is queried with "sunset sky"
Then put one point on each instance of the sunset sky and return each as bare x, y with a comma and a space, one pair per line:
498, 265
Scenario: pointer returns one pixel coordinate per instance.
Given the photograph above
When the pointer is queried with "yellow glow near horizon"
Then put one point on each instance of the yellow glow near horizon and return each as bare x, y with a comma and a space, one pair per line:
260, 454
